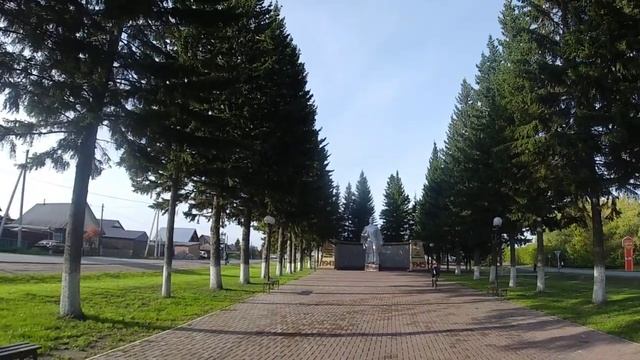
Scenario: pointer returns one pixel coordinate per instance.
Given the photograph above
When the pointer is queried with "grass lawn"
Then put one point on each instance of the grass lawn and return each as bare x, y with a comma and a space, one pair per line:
569, 297
119, 307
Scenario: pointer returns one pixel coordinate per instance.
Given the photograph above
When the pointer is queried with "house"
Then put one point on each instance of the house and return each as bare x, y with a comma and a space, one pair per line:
49, 222
185, 241
118, 242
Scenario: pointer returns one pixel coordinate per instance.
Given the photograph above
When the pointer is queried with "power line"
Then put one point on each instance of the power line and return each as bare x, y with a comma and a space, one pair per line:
94, 193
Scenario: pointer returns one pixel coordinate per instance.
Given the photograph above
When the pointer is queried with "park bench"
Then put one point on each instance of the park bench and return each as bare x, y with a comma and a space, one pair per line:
270, 284
21, 350
498, 292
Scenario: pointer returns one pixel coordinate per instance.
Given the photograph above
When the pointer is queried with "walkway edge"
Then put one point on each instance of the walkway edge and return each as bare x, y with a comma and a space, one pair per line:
181, 325
542, 313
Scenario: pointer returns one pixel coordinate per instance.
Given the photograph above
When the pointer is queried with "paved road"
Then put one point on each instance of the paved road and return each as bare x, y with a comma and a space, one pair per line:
20, 264
386, 315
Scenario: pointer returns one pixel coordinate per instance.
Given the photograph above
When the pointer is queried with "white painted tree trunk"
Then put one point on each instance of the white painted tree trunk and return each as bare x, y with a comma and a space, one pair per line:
513, 275
168, 248
540, 285
245, 247
513, 261
280, 251
215, 270
599, 285
492, 274
599, 277
476, 272
263, 269
215, 276
69, 301
166, 280
70, 305
458, 269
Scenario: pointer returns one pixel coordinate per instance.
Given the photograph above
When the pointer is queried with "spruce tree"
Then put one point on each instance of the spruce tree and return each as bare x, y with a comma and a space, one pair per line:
396, 211
64, 69
583, 97
363, 209
348, 214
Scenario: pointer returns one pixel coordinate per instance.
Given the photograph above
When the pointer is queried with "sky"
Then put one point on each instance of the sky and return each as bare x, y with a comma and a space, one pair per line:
384, 75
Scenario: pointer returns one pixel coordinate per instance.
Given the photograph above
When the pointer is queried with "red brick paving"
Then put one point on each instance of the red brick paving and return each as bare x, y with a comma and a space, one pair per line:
386, 315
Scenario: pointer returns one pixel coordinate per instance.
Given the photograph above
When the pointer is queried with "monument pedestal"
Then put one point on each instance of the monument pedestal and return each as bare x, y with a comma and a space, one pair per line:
371, 267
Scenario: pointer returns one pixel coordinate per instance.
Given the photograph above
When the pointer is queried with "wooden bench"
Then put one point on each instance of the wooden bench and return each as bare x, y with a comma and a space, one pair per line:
21, 350
270, 284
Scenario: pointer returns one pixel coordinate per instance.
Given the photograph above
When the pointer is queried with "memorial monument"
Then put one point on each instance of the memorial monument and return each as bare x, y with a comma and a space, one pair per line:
371, 240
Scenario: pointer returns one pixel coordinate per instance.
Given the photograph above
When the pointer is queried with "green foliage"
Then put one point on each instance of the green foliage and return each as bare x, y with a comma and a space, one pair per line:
348, 207
363, 209
119, 307
396, 212
575, 241
569, 297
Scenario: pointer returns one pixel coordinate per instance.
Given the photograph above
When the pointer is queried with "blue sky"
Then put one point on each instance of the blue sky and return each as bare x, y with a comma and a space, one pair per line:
384, 74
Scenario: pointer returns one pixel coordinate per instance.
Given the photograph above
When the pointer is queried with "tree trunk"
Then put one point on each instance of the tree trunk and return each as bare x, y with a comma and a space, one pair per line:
168, 246
447, 255
245, 246
458, 261
290, 253
70, 286
280, 251
494, 259
512, 262
476, 264
301, 257
294, 255
215, 271
599, 276
540, 258
266, 254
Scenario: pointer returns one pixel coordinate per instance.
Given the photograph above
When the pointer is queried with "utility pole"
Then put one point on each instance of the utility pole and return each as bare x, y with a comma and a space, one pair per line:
6, 212
153, 224
100, 236
24, 180
158, 247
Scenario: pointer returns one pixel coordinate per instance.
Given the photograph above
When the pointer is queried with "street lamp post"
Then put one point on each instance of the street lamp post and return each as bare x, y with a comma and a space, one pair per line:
497, 223
269, 220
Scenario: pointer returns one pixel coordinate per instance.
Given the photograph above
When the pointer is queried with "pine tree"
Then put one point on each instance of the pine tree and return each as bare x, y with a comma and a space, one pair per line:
396, 211
582, 94
60, 69
363, 209
348, 214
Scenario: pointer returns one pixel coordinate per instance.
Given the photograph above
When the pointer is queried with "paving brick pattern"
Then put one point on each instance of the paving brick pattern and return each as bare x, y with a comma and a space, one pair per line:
386, 315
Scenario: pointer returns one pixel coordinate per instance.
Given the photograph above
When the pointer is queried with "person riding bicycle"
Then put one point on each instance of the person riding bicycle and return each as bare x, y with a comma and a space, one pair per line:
435, 274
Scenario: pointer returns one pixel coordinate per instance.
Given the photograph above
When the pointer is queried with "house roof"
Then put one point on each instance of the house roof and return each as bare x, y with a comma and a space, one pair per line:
55, 216
114, 229
180, 235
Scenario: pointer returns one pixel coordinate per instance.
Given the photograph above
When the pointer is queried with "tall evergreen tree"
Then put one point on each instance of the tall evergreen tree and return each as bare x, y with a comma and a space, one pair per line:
396, 211
348, 215
585, 102
60, 69
363, 208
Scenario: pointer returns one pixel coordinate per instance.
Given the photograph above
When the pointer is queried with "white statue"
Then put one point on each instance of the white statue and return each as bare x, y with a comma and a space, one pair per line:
372, 242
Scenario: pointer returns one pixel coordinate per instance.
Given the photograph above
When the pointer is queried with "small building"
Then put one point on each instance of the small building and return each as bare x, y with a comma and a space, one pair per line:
49, 222
118, 242
185, 242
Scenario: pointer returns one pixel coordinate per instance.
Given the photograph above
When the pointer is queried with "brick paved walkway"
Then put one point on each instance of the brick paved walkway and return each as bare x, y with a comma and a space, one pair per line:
386, 315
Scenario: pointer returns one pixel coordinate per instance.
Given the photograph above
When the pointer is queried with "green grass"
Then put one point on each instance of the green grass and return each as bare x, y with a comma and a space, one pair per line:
119, 307
569, 297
